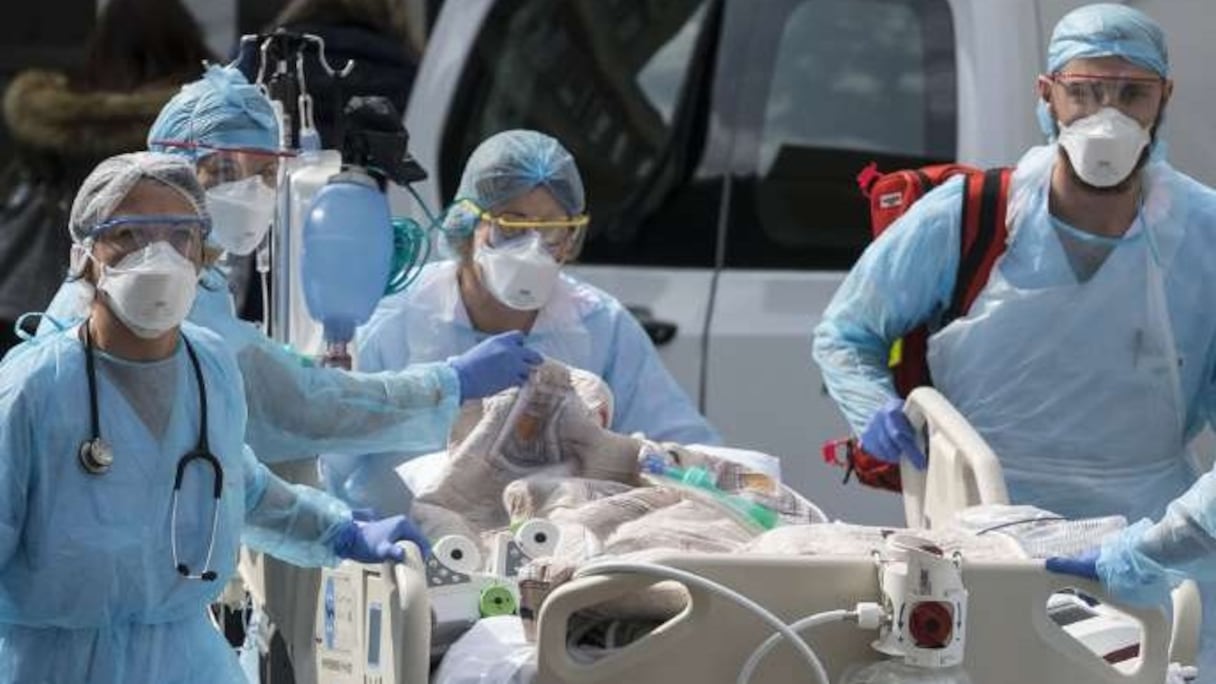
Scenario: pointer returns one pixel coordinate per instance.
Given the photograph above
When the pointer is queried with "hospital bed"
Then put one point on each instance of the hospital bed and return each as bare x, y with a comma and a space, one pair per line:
965, 472
373, 623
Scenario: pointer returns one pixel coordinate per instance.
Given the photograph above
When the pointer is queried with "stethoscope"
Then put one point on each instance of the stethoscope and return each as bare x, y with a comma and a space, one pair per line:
96, 457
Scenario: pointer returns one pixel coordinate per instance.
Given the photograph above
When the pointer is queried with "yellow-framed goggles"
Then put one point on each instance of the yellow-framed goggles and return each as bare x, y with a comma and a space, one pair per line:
554, 234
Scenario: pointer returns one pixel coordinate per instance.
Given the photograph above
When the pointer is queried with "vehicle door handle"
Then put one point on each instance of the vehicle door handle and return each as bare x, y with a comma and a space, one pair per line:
660, 332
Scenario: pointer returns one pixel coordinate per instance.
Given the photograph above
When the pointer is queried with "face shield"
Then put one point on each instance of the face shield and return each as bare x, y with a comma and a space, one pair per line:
217, 164
240, 185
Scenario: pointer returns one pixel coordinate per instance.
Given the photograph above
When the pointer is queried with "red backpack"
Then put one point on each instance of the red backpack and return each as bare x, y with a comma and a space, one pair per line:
983, 240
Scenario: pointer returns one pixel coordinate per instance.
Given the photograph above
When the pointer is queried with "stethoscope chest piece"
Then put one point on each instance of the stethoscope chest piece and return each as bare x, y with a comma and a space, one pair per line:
96, 456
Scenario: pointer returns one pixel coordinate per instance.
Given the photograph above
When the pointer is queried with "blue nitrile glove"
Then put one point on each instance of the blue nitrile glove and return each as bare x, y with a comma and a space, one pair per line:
376, 542
498, 363
889, 436
1084, 565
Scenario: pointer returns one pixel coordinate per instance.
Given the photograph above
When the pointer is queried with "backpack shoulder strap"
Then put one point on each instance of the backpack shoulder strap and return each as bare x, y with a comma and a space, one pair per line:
983, 238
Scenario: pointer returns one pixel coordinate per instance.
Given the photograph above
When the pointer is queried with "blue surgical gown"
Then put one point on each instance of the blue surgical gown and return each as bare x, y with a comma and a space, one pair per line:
580, 325
297, 409
1049, 369
88, 588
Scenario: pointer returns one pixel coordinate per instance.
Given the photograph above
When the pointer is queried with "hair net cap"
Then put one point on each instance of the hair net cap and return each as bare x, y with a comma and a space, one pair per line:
1108, 30
221, 109
512, 163
113, 179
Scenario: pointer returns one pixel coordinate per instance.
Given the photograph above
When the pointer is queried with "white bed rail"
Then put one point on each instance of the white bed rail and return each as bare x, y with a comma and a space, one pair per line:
1010, 637
963, 471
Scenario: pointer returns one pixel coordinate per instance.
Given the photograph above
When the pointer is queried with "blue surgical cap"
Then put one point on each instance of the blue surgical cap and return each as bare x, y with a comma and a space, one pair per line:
1109, 30
221, 109
1105, 30
512, 163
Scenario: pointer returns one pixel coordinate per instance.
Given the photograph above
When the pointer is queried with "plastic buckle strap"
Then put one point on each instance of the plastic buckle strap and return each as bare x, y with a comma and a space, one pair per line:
867, 177
831, 451
849, 471
831, 455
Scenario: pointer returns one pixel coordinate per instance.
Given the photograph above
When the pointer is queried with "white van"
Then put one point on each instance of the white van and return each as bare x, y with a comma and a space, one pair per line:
720, 140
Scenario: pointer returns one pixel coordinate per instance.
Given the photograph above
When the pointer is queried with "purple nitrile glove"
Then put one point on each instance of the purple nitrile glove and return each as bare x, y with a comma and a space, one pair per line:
497, 363
1084, 565
376, 542
890, 436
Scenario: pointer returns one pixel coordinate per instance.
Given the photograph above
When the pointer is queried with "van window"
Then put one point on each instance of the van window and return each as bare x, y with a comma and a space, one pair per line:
607, 78
852, 81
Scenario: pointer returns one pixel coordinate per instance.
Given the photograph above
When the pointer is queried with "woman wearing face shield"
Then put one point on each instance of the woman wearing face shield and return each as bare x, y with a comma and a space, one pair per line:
126, 486
227, 127
519, 217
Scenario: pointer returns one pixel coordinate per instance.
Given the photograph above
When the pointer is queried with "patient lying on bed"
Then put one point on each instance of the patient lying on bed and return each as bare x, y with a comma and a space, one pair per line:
543, 452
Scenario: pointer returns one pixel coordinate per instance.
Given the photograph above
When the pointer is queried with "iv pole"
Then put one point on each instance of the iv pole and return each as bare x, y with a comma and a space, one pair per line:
288, 93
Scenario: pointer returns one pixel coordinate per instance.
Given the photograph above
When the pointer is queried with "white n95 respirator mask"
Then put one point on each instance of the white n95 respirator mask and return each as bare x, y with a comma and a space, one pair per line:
1104, 147
520, 274
240, 214
150, 290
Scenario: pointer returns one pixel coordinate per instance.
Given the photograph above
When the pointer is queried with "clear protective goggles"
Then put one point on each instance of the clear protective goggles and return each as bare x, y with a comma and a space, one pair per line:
1135, 96
557, 235
124, 235
218, 164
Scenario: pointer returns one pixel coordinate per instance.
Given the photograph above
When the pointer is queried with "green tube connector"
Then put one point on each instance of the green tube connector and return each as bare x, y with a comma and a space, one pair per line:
702, 480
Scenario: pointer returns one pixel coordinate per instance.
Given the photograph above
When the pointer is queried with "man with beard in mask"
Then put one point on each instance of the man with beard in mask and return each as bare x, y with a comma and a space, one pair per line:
1087, 360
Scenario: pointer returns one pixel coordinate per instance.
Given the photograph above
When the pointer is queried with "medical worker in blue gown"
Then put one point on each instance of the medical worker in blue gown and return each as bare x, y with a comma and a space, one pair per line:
125, 487
1087, 362
520, 215
296, 410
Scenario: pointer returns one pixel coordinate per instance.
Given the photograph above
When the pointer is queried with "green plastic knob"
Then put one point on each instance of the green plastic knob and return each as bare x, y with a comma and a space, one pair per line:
497, 600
